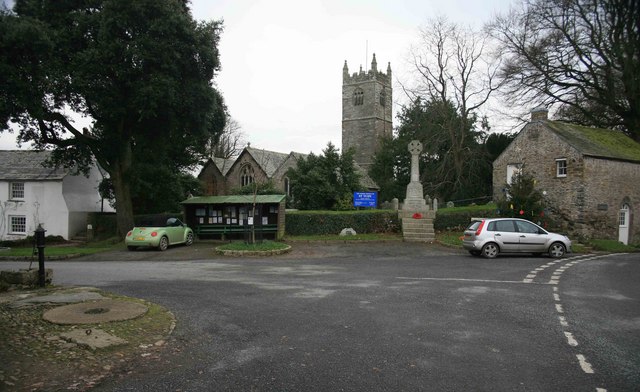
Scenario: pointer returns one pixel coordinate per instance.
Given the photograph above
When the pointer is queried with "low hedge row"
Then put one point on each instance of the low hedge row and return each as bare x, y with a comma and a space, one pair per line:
330, 222
454, 219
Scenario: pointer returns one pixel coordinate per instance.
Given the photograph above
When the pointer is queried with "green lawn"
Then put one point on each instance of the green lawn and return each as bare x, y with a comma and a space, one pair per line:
64, 250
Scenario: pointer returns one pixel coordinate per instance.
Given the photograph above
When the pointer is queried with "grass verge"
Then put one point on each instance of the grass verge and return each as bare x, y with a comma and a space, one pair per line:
36, 357
59, 250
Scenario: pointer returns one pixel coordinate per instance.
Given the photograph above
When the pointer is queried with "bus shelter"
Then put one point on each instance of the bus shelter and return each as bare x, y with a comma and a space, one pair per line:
236, 216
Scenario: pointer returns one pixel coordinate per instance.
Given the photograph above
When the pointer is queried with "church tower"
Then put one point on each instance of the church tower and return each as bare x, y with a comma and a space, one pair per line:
366, 111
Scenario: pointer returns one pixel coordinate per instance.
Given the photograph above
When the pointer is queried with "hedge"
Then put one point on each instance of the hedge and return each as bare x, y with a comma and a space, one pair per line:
459, 219
105, 224
332, 222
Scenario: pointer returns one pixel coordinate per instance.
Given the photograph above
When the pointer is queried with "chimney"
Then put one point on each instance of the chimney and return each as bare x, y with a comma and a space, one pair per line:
539, 114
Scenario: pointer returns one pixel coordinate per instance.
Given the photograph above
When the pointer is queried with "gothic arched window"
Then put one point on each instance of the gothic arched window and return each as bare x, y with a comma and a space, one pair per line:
246, 175
383, 97
358, 97
287, 186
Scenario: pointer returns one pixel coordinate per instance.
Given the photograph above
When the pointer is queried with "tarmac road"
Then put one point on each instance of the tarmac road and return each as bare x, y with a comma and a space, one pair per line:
381, 317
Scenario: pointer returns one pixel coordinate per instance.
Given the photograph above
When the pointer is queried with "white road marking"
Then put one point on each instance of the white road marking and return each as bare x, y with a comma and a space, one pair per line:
586, 366
601, 390
563, 321
559, 308
556, 296
461, 280
570, 339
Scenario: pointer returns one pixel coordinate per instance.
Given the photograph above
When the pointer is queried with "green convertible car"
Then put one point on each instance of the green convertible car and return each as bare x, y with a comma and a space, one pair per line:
175, 232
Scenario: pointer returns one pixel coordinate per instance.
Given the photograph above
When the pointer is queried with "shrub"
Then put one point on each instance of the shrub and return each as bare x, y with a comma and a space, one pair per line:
332, 222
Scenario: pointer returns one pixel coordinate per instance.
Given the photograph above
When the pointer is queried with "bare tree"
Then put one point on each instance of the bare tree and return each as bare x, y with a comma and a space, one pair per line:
230, 142
583, 56
455, 70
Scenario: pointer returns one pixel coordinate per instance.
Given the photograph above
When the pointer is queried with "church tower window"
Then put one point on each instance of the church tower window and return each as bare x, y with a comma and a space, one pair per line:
383, 97
358, 97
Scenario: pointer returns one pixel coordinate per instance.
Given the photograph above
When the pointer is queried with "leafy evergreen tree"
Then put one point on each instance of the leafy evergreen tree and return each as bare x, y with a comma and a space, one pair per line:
142, 71
522, 199
454, 164
324, 182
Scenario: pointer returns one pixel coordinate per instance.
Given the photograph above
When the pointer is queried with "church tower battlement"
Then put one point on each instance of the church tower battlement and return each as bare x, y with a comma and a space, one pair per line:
366, 111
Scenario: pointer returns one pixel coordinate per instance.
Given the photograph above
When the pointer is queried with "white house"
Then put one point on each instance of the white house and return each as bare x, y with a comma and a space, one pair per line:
32, 194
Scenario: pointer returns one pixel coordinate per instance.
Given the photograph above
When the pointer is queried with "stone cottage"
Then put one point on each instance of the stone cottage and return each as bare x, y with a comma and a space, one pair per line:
590, 177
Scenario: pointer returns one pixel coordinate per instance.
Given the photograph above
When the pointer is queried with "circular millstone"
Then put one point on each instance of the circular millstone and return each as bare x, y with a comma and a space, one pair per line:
95, 312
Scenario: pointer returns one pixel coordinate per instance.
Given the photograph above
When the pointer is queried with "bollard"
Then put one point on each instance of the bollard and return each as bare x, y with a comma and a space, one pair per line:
39, 233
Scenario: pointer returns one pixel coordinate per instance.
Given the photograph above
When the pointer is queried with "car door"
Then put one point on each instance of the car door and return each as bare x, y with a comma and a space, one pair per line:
532, 238
505, 234
175, 231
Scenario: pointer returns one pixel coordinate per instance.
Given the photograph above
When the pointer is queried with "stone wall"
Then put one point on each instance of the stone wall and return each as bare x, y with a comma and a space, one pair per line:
212, 181
235, 173
586, 202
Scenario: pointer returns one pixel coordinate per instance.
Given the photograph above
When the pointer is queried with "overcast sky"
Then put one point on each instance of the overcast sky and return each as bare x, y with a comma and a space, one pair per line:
282, 60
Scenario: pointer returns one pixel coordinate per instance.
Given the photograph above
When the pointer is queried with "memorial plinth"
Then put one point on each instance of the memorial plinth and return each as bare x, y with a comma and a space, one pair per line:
417, 220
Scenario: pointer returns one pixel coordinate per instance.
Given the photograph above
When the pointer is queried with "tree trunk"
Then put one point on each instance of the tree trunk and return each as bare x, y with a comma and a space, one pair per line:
122, 189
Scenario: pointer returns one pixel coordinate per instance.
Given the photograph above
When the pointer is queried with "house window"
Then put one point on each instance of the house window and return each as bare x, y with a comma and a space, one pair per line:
17, 191
561, 167
512, 171
358, 97
18, 224
246, 176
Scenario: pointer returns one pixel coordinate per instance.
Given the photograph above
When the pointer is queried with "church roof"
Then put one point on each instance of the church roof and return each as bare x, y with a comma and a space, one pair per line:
269, 161
223, 164
27, 165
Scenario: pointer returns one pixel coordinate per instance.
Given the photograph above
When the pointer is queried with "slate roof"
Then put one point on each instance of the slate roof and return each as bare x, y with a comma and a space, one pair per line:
269, 161
597, 142
223, 164
26, 165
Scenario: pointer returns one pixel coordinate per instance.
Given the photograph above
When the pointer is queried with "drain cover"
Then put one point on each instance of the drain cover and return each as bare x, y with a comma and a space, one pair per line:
95, 312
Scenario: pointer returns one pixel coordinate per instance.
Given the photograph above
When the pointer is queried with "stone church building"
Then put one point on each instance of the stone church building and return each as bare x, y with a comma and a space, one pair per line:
366, 117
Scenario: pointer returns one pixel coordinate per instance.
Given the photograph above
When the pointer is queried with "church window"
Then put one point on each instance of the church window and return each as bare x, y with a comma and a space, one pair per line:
287, 187
358, 97
246, 176
383, 97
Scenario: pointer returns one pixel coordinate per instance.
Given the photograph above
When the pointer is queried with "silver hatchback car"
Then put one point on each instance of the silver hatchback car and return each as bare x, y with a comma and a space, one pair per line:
491, 236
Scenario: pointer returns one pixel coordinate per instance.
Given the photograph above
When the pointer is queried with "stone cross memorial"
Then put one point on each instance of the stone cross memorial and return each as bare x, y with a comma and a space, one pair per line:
417, 220
414, 202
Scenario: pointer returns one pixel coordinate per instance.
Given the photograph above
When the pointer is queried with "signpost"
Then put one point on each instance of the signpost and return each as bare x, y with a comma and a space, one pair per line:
365, 199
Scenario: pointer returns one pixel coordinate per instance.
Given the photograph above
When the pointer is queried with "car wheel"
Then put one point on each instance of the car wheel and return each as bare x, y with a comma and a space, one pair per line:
132, 247
557, 249
490, 250
189, 240
474, 252
164, 244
